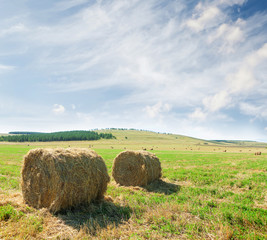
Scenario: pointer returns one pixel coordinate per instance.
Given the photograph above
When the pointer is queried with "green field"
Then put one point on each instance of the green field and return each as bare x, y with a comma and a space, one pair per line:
208, 190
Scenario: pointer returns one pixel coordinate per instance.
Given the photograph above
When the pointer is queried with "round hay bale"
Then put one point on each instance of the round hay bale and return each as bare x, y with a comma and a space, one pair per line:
63, 178
136, 168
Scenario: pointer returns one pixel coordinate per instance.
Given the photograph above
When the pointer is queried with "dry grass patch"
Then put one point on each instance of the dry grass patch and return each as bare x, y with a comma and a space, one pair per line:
84, 222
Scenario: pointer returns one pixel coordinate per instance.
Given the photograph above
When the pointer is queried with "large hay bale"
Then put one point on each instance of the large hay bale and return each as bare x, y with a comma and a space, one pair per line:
62, 178
136, 168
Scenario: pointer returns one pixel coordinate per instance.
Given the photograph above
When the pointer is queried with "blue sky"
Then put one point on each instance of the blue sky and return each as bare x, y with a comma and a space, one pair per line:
197, 68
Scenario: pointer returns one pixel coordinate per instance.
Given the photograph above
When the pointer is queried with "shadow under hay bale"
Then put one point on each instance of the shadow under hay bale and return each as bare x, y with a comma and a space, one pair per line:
62, 178
96, 216
160, 186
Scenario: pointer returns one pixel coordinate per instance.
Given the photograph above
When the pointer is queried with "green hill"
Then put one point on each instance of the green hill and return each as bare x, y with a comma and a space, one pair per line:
154, 138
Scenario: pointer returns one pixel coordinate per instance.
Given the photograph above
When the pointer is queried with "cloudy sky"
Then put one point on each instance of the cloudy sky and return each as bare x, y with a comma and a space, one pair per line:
191, 67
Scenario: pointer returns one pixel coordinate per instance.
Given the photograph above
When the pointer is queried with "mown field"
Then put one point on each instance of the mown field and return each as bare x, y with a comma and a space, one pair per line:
208, 191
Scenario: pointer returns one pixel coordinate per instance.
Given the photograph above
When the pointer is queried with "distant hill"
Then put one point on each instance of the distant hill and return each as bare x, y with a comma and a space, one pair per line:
239, 143
147, 136
133, 136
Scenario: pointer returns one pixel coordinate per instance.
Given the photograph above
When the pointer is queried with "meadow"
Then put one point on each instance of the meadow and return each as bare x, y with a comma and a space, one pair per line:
208, 191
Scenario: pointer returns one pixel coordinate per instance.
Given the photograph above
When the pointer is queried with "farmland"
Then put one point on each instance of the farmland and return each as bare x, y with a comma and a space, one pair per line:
209, 190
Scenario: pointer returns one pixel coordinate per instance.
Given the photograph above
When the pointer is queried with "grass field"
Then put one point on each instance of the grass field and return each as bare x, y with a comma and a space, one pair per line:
208, 191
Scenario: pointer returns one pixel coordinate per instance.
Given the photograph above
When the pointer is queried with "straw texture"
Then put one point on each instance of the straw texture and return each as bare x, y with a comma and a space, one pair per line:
136, 168
63, 178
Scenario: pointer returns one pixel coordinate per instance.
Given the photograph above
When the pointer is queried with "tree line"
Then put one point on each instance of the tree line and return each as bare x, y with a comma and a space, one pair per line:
55, 136
24, 132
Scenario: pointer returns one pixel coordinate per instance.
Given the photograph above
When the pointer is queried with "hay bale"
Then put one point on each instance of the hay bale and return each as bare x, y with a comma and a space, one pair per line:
62, 178
136, 168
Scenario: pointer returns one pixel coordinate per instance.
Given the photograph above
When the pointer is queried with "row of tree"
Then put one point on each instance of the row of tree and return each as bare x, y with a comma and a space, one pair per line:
56, 136
24, 132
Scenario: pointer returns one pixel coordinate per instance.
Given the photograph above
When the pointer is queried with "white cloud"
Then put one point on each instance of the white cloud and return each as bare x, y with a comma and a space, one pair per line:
134, 54
240, 83
58, 109
228, 35
249, 109
17, 28
205, 17
244, 79
210, 14
67, 4
256, 111
172, 66
198, 115
255, 58
232, 2
157, 109
216, 102
4, 68
234, 34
